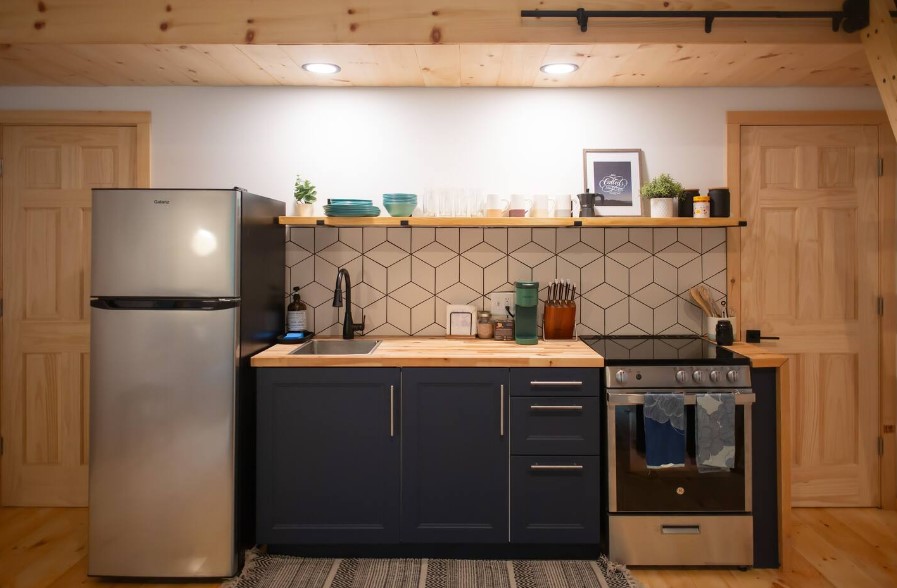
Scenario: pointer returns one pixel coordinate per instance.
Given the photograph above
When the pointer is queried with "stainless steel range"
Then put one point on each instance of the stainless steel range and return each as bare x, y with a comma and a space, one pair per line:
683, 514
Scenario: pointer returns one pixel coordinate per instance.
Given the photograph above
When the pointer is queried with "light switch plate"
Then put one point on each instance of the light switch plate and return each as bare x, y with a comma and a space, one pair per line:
498, 301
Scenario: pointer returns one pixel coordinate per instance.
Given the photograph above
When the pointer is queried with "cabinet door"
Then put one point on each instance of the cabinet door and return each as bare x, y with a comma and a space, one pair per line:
328, 455
455, 455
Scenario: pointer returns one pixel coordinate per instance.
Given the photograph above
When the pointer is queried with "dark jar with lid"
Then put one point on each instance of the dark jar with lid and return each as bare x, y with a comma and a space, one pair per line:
686, 200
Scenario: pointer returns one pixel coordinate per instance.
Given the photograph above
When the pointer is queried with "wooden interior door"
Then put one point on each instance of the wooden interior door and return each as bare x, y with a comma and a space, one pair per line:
48, 172
809, 271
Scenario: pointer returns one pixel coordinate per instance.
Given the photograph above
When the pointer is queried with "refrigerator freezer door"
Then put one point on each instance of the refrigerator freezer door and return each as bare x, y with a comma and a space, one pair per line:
162, 443
178, 243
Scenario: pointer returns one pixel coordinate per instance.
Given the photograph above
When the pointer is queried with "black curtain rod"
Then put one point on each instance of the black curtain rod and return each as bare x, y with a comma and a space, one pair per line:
853, 17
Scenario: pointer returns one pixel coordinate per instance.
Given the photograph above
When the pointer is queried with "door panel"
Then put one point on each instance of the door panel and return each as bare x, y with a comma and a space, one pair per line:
48, 174
810, 275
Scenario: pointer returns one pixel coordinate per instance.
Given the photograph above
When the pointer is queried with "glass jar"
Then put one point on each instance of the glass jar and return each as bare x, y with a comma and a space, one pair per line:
484, 324
702, 206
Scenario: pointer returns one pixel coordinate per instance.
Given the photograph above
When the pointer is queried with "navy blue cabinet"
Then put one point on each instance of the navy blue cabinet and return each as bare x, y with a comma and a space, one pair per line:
455, 455
328, 455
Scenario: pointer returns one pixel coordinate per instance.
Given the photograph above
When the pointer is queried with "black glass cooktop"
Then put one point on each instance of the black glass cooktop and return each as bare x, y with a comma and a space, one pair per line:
643, 350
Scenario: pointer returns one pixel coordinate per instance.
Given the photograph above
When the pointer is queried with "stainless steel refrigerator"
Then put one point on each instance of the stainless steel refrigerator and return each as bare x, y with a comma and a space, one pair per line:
185, 286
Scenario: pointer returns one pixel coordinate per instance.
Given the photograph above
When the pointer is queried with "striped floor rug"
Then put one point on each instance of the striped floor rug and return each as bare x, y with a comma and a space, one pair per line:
282, 571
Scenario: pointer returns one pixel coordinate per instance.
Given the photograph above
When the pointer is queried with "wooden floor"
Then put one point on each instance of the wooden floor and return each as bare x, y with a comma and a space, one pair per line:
47, 547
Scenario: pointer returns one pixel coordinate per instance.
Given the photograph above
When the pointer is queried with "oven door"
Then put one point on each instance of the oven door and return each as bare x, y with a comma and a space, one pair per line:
633, 488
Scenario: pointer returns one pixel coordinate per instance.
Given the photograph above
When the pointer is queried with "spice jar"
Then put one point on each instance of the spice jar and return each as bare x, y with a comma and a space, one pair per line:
702, 206
504, 329
484, 324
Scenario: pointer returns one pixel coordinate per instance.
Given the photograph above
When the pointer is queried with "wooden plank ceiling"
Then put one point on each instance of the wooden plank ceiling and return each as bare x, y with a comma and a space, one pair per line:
420, 43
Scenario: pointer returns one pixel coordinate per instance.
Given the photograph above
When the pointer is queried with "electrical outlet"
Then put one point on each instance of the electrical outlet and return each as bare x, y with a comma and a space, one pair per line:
499, 300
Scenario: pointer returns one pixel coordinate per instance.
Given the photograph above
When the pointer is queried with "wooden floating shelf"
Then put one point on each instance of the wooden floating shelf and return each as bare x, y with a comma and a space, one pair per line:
430, 221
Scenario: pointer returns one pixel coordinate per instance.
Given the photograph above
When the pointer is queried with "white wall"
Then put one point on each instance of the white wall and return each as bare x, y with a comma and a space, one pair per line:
359, 142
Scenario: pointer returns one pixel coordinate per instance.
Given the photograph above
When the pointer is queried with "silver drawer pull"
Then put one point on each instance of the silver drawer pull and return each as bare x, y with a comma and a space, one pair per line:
623, 399
557, 407
680, 529
536, 467
538, 384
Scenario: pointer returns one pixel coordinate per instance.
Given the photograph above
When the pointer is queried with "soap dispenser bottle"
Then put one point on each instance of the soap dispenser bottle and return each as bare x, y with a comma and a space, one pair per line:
296, 313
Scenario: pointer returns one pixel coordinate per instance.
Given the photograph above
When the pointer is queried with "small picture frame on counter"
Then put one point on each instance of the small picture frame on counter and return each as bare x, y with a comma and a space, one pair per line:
614, 176
460, 320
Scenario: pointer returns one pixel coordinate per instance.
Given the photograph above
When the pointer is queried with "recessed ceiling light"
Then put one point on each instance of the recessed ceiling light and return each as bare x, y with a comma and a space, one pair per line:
321, 68
559, 68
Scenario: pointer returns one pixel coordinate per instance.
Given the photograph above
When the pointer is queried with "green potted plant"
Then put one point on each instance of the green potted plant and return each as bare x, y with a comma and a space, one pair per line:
662, 191
305, 194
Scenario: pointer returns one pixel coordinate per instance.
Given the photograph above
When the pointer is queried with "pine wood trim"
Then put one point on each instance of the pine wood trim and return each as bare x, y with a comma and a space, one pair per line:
806, 117
74, 117
880, 42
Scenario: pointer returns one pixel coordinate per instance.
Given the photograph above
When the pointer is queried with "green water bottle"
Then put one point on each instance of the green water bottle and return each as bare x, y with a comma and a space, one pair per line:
526, 305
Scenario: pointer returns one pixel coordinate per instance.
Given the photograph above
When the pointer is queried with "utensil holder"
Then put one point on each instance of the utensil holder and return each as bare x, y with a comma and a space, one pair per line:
559, 320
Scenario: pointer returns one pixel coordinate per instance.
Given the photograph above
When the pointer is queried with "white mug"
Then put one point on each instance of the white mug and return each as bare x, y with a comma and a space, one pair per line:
563, 207
520, 204
495, 201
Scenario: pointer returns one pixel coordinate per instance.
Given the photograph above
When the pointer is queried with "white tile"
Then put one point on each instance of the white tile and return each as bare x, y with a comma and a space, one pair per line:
641, 316
579, 254
374, 315
663, 238
439, 312
353, 237
641, 275
325, 272
545, 237
616, 274
315, 294
410, 295
518, 271
372, 236
374, 274
717, 282
616, 316
459, 294
689, 276
303, 273
422, 316
714, 261
433, 330
592, 276
566, 237
450, 238
653, 295
401, 237
691, 238
568, 271
665, 315
482, 254
398, 274
338, 254
665, 275
421, 237
690, 316
496, 237
614, 238
592, 316
531, 254
470, 236
471, 275
387, 254
326, 316
545, 272
399, 316
518, 237
678, 254
605, 296
295, 254
712, 237
495, 275
593, 237
423, 274
364, 295
303, 237
435, 254
448, 274
628, 254
629, 329
386, 330
644, 238
325, 237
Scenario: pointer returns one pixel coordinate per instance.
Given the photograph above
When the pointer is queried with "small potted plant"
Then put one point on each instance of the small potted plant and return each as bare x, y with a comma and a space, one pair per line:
305, 194
663, 191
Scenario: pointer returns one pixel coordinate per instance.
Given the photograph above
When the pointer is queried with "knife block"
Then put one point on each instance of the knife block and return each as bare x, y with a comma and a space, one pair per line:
559, 320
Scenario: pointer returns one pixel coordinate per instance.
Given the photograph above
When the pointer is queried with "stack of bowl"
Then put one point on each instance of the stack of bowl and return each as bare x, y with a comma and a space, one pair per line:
399, 204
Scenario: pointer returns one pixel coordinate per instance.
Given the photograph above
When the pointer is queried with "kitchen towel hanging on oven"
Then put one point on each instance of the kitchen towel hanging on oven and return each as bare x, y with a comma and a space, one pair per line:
715, 432
664, 430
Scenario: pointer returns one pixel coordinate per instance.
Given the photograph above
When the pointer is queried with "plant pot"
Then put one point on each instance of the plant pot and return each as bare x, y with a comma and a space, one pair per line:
663, 207
304, 209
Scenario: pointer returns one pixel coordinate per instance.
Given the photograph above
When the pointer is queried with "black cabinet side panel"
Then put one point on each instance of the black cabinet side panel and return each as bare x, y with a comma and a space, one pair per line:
765, 472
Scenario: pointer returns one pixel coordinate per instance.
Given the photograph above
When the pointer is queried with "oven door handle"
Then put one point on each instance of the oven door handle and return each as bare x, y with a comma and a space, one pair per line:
621, 399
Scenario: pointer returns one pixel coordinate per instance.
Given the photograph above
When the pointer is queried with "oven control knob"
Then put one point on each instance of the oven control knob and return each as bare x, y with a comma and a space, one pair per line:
621, 377
715, 376
698, 376
681, 376
732, 375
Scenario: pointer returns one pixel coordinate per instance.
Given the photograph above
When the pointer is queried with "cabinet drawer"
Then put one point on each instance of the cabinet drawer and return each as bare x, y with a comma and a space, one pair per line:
555, 499
555, 425
555, 381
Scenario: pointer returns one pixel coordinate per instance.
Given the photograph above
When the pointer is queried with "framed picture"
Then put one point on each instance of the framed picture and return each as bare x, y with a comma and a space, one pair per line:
613, 176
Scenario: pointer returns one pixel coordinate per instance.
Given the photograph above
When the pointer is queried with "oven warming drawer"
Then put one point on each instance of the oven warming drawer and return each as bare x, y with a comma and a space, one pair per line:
682, 540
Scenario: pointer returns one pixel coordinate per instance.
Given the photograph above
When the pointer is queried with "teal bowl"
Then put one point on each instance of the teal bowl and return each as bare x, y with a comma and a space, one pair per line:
400, 208
400, 196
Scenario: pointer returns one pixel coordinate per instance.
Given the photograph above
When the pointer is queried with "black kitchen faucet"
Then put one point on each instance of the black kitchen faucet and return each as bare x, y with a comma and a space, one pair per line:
349, 327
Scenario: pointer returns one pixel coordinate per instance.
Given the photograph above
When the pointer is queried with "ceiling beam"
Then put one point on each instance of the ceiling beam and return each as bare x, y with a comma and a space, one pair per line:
418, 22
880, 42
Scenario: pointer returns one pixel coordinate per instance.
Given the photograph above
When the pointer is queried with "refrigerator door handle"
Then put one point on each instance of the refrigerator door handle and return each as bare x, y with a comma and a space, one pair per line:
164, 303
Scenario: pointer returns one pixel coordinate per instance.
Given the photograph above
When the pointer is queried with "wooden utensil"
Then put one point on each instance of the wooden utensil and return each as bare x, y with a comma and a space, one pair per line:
699, 300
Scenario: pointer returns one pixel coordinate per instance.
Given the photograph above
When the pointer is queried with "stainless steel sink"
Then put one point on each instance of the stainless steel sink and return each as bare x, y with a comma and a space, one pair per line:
337, 347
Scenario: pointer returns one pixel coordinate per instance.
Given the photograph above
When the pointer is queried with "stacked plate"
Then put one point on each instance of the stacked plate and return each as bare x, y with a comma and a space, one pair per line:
350, 207
400, 204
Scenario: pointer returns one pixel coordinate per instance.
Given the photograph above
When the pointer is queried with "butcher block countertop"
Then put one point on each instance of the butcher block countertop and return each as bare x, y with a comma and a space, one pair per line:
442, 352
760, 355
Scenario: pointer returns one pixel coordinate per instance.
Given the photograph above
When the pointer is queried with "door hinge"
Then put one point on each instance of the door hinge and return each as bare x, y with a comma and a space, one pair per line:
1, 445
881, 446
881, 167
880, 306
1, 167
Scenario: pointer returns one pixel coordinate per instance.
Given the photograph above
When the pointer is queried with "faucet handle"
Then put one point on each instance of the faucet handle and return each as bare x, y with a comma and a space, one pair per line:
359, 328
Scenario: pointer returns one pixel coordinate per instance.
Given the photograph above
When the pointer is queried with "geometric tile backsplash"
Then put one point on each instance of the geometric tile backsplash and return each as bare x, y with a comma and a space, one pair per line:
628, 281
